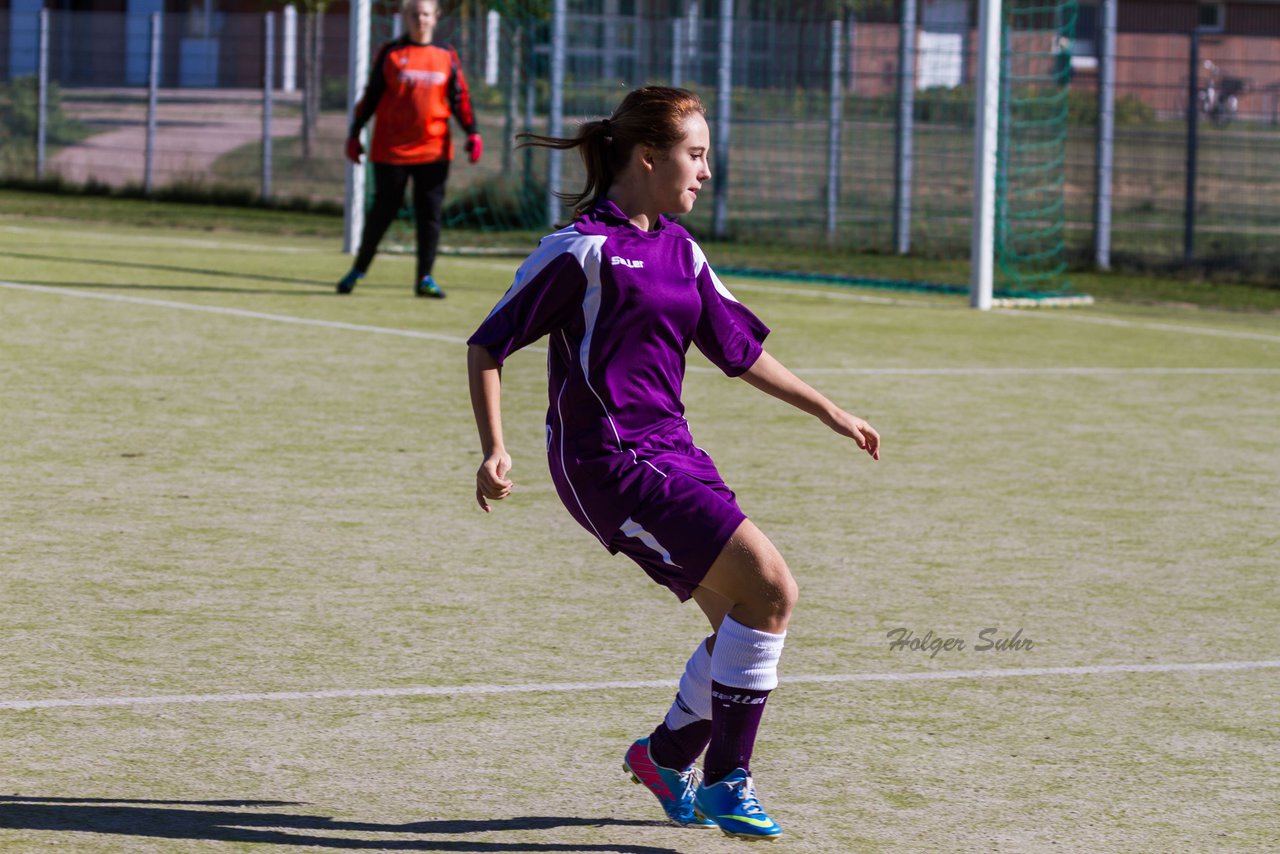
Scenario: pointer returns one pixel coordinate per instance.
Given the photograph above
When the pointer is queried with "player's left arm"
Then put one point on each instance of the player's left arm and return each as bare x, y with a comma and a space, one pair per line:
773, 378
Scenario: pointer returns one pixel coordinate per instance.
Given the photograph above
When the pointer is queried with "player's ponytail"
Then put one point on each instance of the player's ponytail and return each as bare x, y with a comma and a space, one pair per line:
652, 116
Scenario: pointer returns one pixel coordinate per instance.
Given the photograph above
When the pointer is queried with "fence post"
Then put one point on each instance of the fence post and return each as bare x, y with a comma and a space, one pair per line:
42, 94
833, 131
153, 87
677, 52
555, 117
492, 46
511, 81
1106, 136
905, 128
357, 73
289, 49
1193, 110
724, 94
268, 76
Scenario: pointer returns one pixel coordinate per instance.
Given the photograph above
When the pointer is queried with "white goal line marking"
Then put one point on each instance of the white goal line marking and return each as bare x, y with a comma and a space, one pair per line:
580, 687
455, 339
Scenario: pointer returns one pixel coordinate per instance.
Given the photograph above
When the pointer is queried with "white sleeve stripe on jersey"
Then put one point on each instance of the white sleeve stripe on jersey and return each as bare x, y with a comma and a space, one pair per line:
699, 261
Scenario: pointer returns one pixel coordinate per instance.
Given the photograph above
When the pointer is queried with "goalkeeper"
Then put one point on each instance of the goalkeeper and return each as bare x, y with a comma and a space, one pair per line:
414, 87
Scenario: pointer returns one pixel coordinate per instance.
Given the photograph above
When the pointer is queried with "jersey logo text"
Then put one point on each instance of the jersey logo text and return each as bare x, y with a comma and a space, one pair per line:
626, 262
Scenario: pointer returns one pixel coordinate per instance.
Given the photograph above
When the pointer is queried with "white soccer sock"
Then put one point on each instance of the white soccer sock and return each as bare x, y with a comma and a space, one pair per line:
746, 658
693, 702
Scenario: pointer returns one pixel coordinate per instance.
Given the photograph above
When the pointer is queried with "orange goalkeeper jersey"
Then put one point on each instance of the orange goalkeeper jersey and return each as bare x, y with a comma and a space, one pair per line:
412, 91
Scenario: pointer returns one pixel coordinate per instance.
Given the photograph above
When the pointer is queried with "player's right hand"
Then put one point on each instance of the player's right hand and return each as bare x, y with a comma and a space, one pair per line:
492, 482
354, 149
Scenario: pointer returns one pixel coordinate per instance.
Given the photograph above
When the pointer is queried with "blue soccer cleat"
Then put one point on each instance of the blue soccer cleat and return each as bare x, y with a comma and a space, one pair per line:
427, 287
732, 804
348, 282
673, 789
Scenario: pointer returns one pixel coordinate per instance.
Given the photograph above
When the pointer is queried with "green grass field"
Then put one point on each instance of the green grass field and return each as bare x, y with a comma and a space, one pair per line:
249, 603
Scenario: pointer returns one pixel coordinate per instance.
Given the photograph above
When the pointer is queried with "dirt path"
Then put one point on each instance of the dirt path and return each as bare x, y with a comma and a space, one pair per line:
193, 129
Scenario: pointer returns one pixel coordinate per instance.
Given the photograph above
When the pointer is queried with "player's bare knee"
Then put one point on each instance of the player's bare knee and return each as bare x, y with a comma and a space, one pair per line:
786, 596
781, 590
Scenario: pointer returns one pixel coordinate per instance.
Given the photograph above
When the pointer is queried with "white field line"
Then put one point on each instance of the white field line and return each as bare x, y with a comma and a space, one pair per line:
827, 293
240, 312
583, 687
454, 339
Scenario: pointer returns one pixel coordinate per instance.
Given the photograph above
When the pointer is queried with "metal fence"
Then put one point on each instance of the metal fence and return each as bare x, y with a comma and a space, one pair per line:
822, 149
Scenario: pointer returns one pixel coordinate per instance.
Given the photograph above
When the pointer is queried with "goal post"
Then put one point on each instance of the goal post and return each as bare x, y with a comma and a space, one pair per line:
357, 73
1018, 238
985, 139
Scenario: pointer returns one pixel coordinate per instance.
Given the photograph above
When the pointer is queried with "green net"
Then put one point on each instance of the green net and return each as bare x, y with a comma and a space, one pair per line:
1031, 254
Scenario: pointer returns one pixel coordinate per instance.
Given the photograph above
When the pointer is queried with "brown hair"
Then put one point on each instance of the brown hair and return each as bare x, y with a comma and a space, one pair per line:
651, 116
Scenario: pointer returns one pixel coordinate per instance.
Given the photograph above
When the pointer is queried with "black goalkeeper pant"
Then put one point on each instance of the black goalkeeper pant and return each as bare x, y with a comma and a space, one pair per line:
389, 181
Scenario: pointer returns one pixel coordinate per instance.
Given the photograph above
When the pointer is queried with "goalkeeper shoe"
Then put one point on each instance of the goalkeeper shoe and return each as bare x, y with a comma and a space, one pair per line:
348, 282
731, 803
427, 287
673, 789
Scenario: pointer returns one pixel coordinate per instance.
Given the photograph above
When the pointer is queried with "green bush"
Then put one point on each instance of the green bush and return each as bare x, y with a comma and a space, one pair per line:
498, 202
18, 113
18, 119
333, 94
1082, 109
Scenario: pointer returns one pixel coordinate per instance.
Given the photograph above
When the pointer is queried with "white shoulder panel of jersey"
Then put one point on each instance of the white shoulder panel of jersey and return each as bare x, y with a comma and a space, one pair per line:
699, 261
585, 248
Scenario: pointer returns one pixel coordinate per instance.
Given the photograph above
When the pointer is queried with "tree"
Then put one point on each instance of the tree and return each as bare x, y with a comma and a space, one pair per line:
312, 64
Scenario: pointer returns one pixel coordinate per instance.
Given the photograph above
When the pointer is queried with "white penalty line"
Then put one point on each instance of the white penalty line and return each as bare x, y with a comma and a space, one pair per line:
582, 687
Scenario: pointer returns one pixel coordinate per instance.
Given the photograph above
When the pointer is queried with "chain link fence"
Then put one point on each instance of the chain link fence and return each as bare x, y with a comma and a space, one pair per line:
846, 127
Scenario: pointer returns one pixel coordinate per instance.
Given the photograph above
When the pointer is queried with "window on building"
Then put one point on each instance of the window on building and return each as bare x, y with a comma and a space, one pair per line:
1213, 17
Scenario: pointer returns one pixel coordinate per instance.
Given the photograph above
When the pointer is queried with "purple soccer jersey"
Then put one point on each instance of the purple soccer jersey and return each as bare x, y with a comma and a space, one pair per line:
621, 307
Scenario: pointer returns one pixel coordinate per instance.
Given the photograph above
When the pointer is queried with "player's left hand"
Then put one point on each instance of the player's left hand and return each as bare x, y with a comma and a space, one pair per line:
475, 147
857, 430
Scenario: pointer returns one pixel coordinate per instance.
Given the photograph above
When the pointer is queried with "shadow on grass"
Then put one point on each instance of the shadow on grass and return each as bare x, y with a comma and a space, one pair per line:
193, 289
241, 821
164, 268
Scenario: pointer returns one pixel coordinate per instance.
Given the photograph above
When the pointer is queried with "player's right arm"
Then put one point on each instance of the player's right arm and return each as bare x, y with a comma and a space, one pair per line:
373, 91
485, 375
547, 292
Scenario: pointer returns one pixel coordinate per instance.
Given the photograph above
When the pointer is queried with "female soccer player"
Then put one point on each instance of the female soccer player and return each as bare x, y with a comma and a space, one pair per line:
414, 86
622, 292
